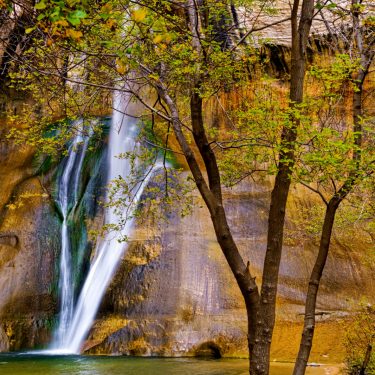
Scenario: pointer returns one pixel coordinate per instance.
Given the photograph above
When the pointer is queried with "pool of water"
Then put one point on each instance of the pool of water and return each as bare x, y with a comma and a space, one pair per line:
26, 364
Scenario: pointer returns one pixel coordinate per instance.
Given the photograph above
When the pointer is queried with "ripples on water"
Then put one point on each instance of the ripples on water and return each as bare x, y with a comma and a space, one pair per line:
26, 364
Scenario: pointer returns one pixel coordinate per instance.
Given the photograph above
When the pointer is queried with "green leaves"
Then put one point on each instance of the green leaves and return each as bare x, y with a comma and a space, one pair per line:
41, 5
30, 30
76, 16
154, 41
58, 14
336, 75
328, 5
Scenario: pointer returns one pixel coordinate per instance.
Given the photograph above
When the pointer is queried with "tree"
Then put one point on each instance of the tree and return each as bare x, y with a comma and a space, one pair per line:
359, 167
180, 49
260, 306
301, 24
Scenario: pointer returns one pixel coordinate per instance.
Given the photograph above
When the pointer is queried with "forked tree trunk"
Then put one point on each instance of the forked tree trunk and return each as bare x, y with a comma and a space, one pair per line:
267, 305
260, 312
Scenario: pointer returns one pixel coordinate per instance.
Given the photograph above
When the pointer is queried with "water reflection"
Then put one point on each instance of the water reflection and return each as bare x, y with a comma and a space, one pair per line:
13, 364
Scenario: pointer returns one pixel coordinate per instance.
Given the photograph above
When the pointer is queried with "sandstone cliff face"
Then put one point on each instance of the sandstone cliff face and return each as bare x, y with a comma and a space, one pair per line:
174, 293
29, 244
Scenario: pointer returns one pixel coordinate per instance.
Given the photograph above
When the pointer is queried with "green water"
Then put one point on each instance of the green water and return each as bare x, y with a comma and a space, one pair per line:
21, 364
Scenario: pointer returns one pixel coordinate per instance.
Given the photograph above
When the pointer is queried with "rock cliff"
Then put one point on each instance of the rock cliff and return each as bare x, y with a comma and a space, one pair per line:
29, 245
173, 293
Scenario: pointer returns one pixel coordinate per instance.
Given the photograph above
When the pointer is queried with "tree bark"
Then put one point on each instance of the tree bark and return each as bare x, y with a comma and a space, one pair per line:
316, 274
224, 236
366, 57
260, 310
212, 196
312, 293
266, 313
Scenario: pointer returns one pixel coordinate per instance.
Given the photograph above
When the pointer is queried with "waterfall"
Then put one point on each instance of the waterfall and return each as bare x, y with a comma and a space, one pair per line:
109, 250
67, 200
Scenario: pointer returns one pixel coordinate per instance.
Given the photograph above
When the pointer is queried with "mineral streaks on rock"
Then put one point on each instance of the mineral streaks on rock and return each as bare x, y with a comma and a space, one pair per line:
4, 342
184, 300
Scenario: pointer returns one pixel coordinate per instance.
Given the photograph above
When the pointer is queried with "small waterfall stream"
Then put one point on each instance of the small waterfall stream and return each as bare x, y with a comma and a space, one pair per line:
67, 200
76, 322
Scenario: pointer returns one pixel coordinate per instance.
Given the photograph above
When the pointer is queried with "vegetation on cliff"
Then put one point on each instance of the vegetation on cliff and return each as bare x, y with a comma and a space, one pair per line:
174, 57
360, 358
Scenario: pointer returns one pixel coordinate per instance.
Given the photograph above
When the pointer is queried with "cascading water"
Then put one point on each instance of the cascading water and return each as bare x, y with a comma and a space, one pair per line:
109, 251
67, 201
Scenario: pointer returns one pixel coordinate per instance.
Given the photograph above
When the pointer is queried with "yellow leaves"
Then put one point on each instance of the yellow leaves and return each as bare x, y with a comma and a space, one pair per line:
73, 34
121, 67
106, 8
166, 38
157, 39
29, 29
153, 76
139, 15
177, 48
369, 21
62, 22
63, 32
111, 23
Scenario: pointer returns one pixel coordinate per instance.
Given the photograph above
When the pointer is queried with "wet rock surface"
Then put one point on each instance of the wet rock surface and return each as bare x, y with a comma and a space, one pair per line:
178, 297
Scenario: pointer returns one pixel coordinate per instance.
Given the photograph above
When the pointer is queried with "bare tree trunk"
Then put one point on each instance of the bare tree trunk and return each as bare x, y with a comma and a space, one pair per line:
224, 236
312, 293
266, 313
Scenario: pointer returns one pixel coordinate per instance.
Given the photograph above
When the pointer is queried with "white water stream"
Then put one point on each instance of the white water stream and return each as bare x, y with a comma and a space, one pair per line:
67, 200
75, 324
